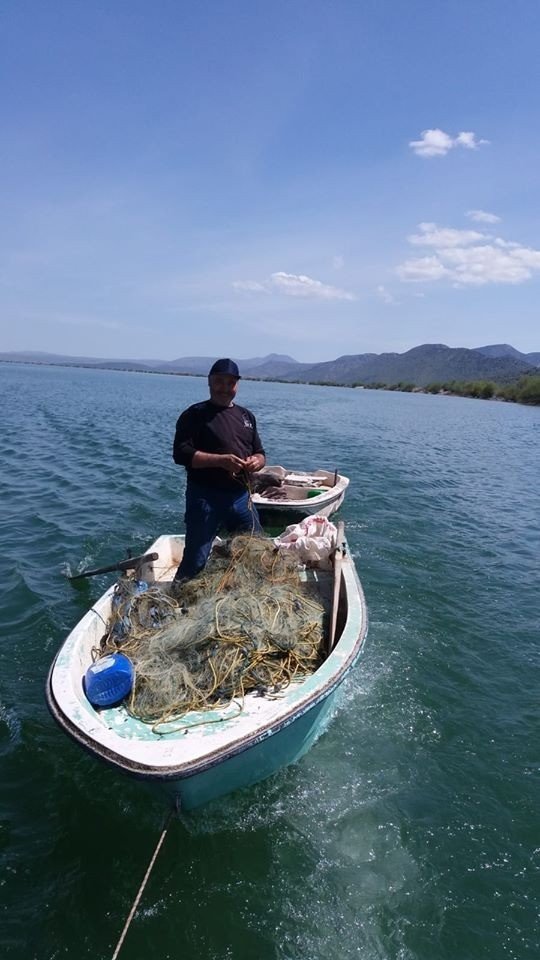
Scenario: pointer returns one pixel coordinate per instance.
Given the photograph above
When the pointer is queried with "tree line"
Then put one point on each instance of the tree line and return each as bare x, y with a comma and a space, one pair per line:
524, 390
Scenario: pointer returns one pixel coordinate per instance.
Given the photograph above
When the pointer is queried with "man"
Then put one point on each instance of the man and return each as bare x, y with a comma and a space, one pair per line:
218, 444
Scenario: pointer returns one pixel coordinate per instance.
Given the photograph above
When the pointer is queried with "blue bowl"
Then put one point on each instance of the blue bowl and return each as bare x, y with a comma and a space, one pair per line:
109, 680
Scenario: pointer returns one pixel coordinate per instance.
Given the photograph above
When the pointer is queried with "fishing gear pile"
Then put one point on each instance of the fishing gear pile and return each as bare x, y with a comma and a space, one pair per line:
248, 622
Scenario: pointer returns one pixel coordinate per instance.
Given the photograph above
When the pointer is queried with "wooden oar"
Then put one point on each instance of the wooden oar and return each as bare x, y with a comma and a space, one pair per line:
338, 560
130, 564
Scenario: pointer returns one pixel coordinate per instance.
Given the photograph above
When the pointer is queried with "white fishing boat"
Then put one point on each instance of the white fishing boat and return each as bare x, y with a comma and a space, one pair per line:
212, 752
298, 493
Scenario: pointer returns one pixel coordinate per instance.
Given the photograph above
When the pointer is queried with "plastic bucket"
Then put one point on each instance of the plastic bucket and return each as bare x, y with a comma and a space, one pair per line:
109, 680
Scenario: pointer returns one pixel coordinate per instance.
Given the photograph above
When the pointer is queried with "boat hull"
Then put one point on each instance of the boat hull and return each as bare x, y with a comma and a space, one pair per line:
258, 761
301, 495
255, 764
282, 514
213, 754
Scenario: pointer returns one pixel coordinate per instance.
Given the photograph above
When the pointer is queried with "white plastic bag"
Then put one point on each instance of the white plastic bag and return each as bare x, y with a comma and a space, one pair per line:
312, 539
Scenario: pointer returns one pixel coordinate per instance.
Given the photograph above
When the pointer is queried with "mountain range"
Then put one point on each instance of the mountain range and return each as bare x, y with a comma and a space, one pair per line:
422, 365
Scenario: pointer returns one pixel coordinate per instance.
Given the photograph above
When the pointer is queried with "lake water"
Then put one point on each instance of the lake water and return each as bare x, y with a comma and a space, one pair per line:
411, 829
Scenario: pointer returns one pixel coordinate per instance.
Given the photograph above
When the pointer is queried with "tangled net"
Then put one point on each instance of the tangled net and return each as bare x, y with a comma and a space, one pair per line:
246, 623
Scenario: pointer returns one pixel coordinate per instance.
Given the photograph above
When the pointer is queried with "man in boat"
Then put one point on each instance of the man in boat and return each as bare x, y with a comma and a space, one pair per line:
218, 443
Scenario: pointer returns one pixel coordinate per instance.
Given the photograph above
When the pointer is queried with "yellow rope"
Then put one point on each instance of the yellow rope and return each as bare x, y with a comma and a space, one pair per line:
140, 891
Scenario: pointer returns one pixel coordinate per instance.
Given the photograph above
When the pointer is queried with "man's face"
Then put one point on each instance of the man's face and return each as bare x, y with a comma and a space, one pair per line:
223, 389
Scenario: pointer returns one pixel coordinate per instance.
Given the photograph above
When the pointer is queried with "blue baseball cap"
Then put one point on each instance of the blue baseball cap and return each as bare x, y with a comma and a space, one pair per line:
226, 366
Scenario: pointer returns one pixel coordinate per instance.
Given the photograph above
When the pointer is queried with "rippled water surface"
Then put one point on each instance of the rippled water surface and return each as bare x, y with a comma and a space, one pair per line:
411, 829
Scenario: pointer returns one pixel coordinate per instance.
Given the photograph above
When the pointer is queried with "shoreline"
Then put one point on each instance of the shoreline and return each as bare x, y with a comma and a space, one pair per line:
479, 390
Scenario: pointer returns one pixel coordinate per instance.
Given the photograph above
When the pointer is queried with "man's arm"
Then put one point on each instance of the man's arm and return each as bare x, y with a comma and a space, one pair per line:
184, 438
257, 459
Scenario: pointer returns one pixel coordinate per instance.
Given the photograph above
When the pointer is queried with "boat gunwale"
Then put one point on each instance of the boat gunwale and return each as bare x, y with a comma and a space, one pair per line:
247, 740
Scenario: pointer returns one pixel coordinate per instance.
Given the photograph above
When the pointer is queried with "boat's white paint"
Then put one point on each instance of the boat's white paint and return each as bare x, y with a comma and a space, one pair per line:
297, 486
201, 739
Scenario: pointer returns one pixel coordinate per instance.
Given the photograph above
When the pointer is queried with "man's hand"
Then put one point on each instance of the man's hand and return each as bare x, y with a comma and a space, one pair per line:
232, 464
253, 463
227, 461
224, 461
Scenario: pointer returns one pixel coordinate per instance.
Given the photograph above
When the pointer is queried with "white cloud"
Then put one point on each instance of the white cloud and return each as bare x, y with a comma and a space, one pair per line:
491, 264
301, 286
468, 140
499, 242
433, 236
481, 216
385, 295
424, 268
468, 258
437, 143
433, 143
294, 285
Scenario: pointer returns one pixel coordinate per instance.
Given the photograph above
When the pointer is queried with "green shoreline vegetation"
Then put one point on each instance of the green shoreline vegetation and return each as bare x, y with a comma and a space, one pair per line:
526, 390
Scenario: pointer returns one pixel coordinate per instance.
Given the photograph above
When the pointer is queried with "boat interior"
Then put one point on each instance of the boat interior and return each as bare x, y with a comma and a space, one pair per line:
294, 486
87, 635
295, 493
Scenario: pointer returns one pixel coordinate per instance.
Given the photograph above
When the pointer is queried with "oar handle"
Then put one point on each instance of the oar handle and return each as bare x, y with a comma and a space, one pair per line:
130, 564
338, 560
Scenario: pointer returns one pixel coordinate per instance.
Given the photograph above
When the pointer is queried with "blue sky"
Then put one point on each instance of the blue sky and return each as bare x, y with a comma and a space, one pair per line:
239, 178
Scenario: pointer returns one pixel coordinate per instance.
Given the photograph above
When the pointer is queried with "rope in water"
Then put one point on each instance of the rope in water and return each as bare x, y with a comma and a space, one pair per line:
140, 891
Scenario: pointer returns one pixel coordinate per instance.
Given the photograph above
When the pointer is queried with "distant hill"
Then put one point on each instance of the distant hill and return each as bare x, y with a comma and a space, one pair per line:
273, 364
250, 367
423, 365
270, 358
428, 363
505, 350
346, 369
274, 369
30, 356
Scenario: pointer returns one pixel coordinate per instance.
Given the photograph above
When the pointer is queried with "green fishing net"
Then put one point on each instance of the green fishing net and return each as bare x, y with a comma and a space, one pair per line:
248, 622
